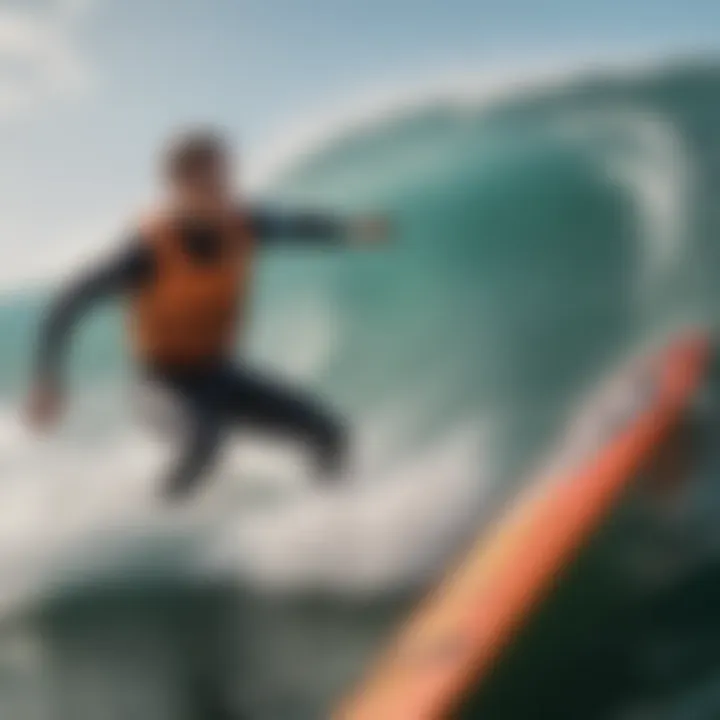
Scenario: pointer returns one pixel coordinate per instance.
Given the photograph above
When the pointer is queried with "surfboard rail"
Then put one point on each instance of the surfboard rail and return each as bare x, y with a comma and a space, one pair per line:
460, 631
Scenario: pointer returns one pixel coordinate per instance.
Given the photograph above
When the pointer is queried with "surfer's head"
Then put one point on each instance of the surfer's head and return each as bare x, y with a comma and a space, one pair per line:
197, 166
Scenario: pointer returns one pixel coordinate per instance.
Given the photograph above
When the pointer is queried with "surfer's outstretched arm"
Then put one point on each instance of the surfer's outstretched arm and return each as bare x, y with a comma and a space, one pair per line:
80, 296
273, 227
103, 281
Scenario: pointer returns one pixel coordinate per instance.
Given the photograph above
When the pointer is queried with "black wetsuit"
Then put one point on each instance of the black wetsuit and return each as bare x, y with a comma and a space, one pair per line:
217, 395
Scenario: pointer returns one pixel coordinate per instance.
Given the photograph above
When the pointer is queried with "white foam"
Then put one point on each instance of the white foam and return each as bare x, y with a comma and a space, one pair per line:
369, 536
88, 499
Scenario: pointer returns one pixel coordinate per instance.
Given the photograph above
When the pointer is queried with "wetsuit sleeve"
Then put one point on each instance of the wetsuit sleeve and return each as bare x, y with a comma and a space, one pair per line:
129, 269
273, 227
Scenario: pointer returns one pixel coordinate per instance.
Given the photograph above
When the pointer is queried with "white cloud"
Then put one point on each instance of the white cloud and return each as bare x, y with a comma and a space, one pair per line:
39, 55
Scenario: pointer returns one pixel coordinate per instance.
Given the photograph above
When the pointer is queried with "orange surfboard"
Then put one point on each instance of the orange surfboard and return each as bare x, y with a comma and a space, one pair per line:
459, 633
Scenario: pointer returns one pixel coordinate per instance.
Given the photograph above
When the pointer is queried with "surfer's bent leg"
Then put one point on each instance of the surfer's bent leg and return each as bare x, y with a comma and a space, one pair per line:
186, 407
268, 406
199, 448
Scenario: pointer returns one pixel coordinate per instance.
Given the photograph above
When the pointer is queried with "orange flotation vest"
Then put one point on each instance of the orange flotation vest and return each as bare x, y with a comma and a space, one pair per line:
189, 313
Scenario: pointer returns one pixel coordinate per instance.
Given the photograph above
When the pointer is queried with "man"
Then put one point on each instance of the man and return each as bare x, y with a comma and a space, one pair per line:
185, 276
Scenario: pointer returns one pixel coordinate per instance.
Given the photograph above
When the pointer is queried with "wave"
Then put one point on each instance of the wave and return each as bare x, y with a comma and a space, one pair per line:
633, 148
548, 232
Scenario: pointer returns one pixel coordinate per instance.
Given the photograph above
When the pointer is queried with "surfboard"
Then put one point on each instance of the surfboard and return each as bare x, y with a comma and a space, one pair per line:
459, 633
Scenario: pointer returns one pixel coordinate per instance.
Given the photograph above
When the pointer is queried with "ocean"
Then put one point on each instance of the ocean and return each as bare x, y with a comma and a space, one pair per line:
542, 235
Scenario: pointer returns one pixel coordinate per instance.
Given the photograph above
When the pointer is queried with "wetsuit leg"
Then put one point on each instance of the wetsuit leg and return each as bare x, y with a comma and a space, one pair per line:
257, 402
200, 442
196, 426
214, 399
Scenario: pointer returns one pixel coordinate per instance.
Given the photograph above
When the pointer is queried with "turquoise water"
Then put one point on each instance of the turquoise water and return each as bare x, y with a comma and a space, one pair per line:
541, 238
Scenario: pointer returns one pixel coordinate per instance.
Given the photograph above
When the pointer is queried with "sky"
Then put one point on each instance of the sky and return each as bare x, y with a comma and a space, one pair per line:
89, 88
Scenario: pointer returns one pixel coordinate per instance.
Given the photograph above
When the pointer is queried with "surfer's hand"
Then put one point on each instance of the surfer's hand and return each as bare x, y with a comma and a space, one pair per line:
44, 406
370, 230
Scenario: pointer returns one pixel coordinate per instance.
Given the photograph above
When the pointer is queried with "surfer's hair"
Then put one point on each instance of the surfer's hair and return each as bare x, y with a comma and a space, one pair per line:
191, 152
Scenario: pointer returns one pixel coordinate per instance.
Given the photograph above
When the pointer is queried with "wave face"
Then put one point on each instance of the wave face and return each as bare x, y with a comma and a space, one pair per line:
541, 239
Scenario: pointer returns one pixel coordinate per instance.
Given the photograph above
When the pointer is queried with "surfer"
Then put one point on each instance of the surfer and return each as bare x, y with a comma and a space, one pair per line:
185, 275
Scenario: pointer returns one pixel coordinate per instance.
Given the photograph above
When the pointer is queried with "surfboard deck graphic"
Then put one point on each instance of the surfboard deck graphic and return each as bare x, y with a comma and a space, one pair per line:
461, 630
